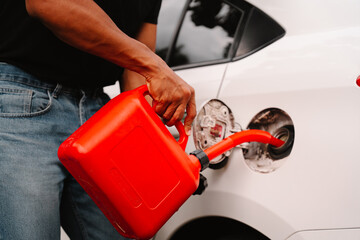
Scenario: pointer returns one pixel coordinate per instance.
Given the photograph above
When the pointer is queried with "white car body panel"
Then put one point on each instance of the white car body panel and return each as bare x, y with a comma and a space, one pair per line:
307, 16
322, 99
310, 73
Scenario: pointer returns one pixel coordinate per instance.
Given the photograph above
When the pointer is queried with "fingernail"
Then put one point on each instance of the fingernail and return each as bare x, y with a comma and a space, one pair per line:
188, 132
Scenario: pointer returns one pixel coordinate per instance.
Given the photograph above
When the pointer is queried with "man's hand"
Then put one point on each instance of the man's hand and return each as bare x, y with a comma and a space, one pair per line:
172, 96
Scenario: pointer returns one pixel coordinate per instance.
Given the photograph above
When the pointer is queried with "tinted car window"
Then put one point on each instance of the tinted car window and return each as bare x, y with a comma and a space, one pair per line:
260, 31
207, 33
199, 32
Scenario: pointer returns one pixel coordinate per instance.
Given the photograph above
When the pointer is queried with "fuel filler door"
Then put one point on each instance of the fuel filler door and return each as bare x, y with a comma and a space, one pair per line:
215, 121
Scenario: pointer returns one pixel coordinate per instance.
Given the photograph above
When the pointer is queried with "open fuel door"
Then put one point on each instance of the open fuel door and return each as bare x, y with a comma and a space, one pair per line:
215, 121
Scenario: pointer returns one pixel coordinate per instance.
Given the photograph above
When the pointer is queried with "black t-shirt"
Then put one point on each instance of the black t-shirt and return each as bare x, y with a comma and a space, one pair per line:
28, 44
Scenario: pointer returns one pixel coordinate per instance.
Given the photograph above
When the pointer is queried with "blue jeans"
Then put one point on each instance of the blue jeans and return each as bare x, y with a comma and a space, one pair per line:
37, 193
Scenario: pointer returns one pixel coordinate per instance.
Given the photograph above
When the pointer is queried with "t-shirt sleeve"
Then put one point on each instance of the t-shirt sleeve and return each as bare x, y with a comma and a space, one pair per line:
154, 9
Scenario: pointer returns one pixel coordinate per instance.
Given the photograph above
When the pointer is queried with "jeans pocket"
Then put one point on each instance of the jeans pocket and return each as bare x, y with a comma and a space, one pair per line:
19, 102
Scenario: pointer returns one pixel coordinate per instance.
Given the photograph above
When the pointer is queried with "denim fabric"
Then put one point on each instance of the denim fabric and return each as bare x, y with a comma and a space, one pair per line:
37, 194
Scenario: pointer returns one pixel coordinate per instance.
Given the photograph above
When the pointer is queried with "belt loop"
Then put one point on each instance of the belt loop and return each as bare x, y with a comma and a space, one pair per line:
57, 90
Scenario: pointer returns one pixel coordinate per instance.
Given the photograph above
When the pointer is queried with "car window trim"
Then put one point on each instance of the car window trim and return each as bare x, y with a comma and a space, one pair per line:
201, 64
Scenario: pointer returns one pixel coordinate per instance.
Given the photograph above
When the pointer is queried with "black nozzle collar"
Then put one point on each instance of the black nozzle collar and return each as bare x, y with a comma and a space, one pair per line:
203, 158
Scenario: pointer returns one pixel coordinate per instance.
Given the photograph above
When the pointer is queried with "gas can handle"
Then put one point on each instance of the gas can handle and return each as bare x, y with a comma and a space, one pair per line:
143, 90
183, 137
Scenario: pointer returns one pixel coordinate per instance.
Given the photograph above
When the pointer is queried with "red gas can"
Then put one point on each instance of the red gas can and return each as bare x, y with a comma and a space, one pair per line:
131, 166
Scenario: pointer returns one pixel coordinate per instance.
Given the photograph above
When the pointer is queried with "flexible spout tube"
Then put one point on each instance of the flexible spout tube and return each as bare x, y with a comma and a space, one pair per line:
239, 138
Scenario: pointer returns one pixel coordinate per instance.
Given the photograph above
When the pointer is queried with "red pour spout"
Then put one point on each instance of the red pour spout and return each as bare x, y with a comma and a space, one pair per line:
239, 138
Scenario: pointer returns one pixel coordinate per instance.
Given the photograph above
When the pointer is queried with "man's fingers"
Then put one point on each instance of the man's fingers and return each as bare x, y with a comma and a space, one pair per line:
191, 114
173, 97
170, 111
177, 115
160, 108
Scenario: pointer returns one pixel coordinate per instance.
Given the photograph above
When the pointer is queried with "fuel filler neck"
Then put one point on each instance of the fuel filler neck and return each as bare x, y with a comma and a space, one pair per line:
234, 140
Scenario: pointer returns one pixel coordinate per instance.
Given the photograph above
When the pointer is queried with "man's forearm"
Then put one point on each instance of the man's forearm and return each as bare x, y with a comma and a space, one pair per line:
84, 25
147, 36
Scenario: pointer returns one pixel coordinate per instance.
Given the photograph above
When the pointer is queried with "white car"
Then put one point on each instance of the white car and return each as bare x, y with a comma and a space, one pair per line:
288, 67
